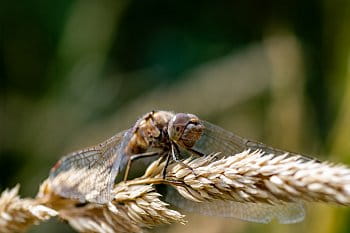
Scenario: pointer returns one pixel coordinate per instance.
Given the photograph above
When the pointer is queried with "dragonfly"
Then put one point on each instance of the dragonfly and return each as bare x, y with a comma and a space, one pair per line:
165, 134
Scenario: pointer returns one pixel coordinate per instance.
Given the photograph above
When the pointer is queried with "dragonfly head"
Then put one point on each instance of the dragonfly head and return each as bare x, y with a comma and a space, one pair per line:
185, 129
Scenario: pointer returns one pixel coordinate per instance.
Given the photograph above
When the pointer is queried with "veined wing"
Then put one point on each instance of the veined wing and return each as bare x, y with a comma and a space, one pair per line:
285, 213
89, 174
216, 139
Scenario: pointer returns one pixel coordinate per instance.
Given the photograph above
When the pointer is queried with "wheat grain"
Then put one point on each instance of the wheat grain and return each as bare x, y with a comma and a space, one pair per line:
17, 214
258, 177
133, 208
247, 177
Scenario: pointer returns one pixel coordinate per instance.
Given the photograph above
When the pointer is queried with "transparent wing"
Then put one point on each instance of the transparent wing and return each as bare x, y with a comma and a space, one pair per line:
89, 174
285, 213
215, 139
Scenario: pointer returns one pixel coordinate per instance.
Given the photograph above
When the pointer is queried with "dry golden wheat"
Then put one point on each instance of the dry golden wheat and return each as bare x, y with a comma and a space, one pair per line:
18, 214
133, 208
248, 177
258, 177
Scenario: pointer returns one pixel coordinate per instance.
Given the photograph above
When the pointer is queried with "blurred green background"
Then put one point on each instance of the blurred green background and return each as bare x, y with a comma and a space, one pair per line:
74, 73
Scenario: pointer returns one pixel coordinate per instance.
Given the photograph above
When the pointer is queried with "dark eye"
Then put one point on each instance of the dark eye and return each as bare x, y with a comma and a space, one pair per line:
177, 128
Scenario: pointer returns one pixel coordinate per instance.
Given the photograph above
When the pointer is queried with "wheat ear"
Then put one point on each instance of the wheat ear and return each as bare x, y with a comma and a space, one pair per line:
259, 177
250, 177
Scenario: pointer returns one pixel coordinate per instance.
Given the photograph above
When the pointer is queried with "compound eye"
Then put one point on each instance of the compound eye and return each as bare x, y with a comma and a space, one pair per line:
175, 128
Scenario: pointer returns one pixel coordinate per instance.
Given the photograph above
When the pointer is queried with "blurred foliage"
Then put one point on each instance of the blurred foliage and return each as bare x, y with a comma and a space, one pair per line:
75, 72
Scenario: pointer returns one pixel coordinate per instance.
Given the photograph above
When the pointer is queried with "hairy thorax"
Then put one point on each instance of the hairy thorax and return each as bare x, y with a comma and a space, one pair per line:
149, 131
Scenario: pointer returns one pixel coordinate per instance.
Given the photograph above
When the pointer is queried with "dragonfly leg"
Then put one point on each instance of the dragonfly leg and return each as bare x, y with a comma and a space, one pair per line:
135, 157
200, 154
196, 152
166, 166
176, 159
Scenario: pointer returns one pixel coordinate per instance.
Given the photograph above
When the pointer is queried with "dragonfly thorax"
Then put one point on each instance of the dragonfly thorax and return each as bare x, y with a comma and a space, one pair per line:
149, 132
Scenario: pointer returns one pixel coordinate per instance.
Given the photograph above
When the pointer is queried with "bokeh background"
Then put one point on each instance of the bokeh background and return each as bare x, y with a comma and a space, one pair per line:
74, 73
